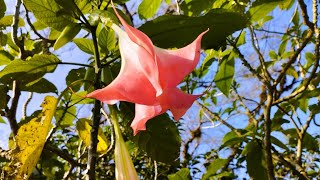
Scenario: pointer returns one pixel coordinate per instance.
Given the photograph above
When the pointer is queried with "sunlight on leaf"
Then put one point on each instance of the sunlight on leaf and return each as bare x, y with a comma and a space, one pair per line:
84, 130
31, 138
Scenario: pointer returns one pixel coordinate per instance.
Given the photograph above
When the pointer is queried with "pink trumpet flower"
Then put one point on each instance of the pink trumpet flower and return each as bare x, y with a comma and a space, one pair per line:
149, 76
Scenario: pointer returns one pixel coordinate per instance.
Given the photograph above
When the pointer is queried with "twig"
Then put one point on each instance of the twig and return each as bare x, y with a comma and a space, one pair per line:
297, 169
304, 14
155, 170
25, 106
245, 62
14, 105
178, 7
15, 26
63, 155
294, 57
111, 126
219, 118
267, 138
261, 58
301, 135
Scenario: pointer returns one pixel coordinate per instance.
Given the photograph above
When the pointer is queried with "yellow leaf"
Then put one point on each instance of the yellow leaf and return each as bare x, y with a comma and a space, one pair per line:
84, 130
31, 138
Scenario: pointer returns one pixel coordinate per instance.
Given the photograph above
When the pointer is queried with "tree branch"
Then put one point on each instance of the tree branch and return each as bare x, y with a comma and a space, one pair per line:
92, 152
63, 155
245, 62
267, 138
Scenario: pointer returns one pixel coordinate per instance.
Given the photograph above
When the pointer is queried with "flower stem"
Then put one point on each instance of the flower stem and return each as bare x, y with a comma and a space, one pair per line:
124, 166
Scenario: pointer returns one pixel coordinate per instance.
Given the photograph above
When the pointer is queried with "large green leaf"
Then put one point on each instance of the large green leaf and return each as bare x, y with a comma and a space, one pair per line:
29, 70
256, 162
8, 20
74, 75
49, 13
5, 57
41, 86
68, 33
182, 174
31, 139
107, 40
84, 127
177, 31
65, 116
148, 8
3, 8
86, 45
224, 76
261, 8
214, 167
161, 140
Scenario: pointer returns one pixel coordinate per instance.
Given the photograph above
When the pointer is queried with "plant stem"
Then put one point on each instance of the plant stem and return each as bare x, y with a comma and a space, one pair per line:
92, 152
267, 139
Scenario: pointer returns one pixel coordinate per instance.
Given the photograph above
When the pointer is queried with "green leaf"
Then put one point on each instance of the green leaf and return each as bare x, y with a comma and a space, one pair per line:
256, 162
277, 122
107, 40
196, 7
170, 31
309, 142
41, 86
182, 174
54, 34
3, 8
84, 130
5, 58
287, 4
148, 8
261, 8
107, 17
8, 20
231, 138
283, 46
241, 39
303, 104
74, 75
65, 116
2, 120
78, 98
296, 17
161, 140
89, 76
292, 72
273, 55
68, 33
86, 45
214, 167
29, 70
279, 143
31, 139
49, 13
224, 76
207, 62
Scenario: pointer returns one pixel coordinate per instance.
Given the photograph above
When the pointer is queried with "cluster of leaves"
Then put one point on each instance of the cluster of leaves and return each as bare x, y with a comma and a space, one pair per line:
276, 140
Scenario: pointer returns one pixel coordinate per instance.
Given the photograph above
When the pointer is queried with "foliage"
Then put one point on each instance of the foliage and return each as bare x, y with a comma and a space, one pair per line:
259, 79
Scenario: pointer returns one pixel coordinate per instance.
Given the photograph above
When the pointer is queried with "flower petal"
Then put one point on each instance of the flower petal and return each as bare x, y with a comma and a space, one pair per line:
177, 101
143, 113
131, 84
174, 65
147, 62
